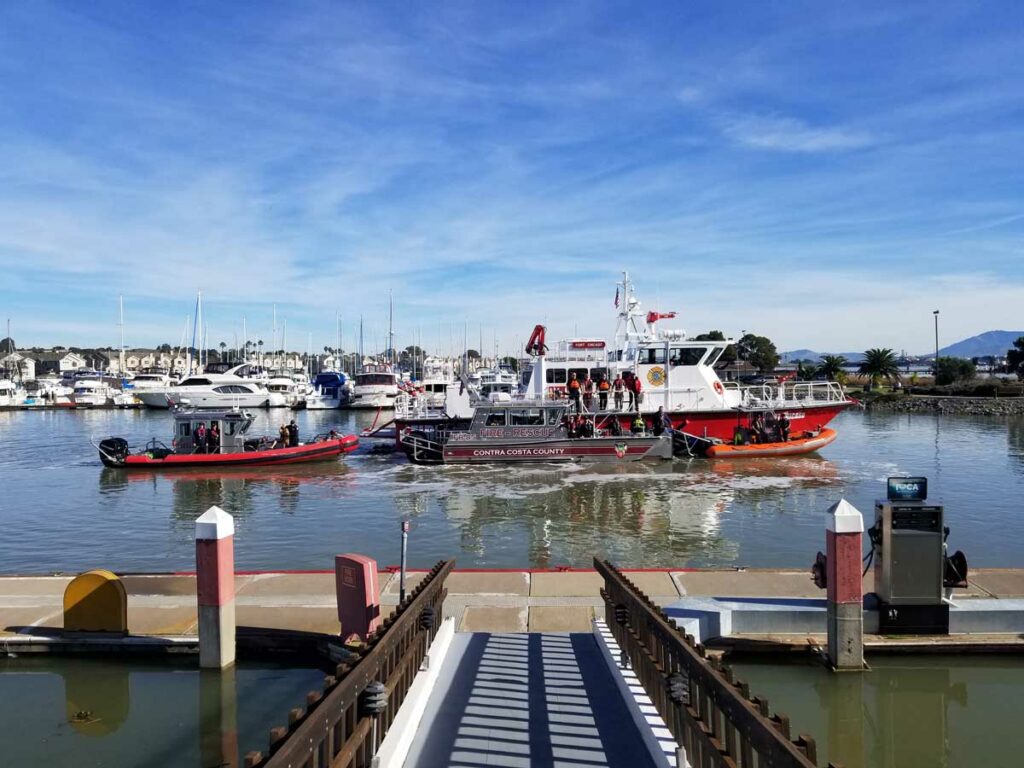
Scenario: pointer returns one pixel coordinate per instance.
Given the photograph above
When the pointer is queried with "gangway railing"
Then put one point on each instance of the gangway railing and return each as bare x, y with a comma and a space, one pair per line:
345, 725
712, 715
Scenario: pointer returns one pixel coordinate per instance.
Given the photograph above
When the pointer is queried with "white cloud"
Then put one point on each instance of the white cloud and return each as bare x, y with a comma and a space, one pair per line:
789, 134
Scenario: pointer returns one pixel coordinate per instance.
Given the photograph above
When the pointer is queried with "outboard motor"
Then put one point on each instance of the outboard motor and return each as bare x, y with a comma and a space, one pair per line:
113, 451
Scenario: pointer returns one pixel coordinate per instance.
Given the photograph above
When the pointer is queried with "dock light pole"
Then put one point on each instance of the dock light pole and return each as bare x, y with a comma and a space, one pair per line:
401, 576
936, 313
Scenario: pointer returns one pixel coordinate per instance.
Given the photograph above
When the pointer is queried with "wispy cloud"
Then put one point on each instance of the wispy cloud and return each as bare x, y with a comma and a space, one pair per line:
499, 167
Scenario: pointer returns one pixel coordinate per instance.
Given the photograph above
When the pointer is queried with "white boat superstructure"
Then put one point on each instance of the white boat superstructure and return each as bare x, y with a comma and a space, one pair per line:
331, 390
150, 380
93, 392
210, 390
11, 393
375, 387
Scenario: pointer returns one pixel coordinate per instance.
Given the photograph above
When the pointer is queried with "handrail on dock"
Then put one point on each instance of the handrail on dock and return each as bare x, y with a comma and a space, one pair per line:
711, 715
346, 723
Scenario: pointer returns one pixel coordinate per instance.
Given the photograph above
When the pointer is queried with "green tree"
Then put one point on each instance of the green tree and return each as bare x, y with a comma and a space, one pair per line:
880, 364
1015, 358
729, 356
759, 351
472, 354
511, 362
806, 370
949, 370
831, 366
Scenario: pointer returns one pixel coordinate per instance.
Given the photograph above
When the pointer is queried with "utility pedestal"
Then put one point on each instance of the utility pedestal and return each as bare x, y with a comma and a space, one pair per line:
215, 585
845, 612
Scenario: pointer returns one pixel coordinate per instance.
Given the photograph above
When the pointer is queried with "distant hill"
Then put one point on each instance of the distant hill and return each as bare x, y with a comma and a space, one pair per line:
982, 345
987, 343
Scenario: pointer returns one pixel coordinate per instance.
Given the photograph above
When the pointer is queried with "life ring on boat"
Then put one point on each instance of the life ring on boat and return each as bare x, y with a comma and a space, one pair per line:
719, 388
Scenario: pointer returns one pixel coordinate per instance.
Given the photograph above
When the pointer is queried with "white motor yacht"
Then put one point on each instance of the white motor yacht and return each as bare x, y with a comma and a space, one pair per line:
209, 390
150, 380
330, 391
375, 387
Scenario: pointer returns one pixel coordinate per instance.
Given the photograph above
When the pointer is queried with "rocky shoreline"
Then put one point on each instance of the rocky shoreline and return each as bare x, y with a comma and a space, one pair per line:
972, 406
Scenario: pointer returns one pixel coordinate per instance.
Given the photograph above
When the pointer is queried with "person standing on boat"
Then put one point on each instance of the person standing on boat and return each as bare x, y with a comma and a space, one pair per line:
213, 438
602, 393
293, 434
638, 395
662, 422
574, 391
588, 393
618, 390
199, 439
283, 437
784, 426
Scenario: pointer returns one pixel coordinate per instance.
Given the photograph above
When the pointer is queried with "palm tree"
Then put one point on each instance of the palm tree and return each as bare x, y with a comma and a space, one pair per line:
880, 364
831, 366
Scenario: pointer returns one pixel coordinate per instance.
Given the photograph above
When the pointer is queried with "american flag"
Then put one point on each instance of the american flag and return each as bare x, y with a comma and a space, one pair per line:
616, 298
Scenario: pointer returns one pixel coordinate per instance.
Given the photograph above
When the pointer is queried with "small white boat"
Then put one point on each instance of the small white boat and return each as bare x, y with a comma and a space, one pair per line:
94, 392
330, 391
11, 393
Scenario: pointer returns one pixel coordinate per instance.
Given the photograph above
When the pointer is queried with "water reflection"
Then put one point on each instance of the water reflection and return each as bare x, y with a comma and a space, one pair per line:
904, 712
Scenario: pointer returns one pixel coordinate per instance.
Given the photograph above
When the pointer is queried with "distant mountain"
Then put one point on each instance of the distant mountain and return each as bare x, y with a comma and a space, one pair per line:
982, 345
815, 357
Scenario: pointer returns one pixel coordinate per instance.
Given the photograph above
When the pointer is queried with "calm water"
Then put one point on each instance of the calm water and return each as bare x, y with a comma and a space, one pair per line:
84, 712
62, 511
939, 712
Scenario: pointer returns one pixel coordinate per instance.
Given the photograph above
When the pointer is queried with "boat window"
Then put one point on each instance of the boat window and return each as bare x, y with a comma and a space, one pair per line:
195, 383
715, 355
554, 416
184, 429
652, 356
581, 373
528, 417
556, 376
496, 419
689, 355
597, 373
526, 378
368, 379
230, 428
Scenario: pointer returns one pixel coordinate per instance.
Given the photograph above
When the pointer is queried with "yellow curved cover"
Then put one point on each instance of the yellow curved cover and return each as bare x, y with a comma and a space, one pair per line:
96, 601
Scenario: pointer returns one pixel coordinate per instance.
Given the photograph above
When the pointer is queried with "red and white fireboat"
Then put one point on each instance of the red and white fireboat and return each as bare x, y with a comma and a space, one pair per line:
676, 373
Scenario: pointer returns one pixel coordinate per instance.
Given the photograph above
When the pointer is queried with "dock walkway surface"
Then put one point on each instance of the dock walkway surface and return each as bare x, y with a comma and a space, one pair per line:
479, 601
522, 700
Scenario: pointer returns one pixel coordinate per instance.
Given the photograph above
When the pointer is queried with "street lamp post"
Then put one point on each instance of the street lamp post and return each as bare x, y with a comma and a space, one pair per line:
936, 313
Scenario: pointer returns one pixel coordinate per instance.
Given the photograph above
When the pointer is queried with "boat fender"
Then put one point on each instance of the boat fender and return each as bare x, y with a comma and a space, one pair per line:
719, 388
819, 571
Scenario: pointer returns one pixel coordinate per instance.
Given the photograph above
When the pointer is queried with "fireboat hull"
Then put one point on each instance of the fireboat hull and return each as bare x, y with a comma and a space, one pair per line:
319, 451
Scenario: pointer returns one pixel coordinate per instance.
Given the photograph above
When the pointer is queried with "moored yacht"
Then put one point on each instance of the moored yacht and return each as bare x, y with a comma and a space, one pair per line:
93, 392
330, 391
10, 393
210, 390
376, 386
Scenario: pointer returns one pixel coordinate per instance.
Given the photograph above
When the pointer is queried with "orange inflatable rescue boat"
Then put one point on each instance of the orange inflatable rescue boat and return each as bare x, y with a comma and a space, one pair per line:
808, 442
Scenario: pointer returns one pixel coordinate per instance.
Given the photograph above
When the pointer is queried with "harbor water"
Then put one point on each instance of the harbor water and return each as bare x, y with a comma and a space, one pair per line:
85, 712
63, 512
908, 711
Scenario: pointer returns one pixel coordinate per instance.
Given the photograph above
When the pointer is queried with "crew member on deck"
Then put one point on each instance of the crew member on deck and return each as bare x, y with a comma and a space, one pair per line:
662, 423
573, 388
784, 426
283, 438
213, 438
293, 434
638, 394
639, 425
602, 392
588, 393
199, 439
618, 390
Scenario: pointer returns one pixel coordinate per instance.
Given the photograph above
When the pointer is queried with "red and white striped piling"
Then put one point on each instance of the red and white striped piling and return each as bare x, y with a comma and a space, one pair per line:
843, 534
215, 585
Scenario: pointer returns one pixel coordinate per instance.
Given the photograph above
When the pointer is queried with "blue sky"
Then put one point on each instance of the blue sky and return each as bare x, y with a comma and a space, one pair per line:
822, 173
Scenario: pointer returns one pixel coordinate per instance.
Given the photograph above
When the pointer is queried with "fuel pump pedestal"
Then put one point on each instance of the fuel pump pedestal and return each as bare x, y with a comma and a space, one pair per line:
909, 561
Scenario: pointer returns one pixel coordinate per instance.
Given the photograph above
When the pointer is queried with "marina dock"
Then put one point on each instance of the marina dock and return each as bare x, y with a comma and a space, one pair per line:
494, 601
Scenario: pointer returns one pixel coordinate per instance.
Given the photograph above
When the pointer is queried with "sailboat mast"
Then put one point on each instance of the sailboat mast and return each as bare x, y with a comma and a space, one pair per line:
391, 327
120, 322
